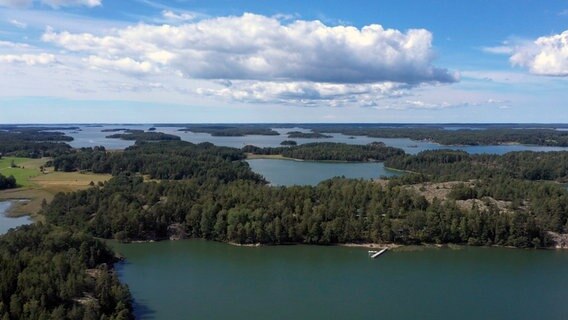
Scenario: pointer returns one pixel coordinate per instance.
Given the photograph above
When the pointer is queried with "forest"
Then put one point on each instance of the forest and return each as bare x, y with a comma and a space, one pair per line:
209, 192
173, 160
482, 136
33, 143
447, 165
331, 151
47, 272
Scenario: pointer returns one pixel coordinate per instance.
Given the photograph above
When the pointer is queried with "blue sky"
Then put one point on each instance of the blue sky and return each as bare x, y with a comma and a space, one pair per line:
275, 61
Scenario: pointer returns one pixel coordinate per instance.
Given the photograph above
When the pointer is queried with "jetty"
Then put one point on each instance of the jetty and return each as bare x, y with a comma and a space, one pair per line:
375, 254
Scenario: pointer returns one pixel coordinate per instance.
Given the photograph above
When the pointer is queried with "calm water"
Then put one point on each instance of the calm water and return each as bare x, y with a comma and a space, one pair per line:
289, 172
7, 223
90, 136
206, 280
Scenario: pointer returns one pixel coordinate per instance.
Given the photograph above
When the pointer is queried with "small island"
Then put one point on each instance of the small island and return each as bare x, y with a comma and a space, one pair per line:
328, 151
307, 135
140, 135
288, 143
232, 131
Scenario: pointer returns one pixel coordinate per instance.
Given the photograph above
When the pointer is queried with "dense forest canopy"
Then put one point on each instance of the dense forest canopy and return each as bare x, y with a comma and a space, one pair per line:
200, 199
51, 273
33, 142
331, 151
165, 160
445, 165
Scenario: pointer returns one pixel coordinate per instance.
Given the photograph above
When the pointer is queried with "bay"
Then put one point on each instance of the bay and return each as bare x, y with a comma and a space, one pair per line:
290, 172
207, 280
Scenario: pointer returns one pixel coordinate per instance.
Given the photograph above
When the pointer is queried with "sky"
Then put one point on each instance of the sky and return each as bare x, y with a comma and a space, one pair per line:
194, 61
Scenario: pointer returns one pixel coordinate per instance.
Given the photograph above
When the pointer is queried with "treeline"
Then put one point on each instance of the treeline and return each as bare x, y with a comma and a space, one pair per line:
335, 211
445, 165
232, 131
330, 151
7, 182
141, 135
48, 272
484, 136
32, 143
170, 160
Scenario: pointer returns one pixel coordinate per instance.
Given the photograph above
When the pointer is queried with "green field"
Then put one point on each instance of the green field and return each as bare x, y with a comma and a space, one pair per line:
26, 169
37, 186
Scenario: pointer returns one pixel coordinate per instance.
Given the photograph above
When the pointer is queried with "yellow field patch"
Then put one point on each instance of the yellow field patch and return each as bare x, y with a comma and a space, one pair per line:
40, 186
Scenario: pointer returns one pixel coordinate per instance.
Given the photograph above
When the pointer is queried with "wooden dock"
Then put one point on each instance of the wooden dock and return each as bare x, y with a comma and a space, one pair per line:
375, 254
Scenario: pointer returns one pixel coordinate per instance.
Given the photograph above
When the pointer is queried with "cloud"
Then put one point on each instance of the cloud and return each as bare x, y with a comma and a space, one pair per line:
499, 49
307, 93
28, 59
51, 3
18, 24
429, 105
124, 65
178, 17
547, 56
256, 47
14, 45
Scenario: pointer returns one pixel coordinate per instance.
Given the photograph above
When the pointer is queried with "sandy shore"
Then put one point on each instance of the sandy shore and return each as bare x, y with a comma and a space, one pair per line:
369, 245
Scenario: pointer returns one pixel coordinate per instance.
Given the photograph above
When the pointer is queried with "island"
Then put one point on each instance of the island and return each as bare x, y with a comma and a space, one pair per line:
140, 135
307, 135
232, 131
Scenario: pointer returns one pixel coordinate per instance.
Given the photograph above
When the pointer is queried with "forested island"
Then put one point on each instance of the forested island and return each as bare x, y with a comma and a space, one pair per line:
232, 131
307, 135
141, 135
32, 142
331, 151
288, 143
481, 136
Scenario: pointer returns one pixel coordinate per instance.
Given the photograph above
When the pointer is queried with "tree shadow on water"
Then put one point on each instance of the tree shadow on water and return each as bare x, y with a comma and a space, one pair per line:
142, 311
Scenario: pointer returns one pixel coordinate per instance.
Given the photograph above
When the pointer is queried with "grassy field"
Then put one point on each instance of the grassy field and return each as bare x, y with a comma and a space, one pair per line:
37, 186
25, 170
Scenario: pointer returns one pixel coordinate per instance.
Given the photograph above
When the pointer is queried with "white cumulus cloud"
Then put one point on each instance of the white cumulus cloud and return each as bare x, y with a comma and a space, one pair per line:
545, 56
256, 47
28, 59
